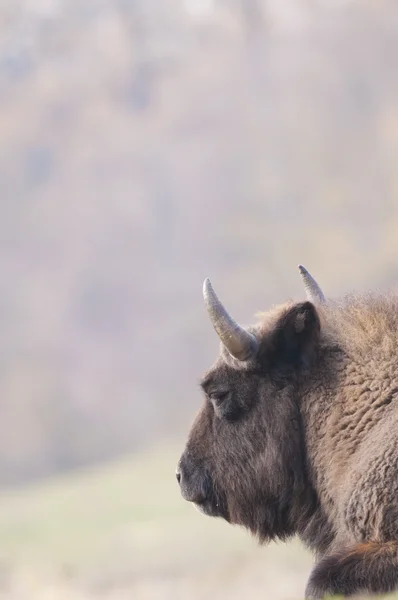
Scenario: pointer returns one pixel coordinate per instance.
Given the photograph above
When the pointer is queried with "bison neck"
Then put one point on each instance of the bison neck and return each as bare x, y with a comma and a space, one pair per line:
347, 407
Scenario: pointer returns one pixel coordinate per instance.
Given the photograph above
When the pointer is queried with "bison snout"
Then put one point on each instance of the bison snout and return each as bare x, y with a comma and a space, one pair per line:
196, 485
191, 481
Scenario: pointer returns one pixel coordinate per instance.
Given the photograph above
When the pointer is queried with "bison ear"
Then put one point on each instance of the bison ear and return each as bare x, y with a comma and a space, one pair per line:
297, 334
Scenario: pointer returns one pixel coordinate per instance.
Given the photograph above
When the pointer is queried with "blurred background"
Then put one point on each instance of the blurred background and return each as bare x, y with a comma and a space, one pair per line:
145, 145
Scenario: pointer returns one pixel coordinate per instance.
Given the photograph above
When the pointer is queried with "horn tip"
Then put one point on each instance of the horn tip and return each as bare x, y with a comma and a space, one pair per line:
302, 269
206, 285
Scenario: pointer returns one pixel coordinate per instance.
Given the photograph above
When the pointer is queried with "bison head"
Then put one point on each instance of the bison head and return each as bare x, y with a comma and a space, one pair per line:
245, 457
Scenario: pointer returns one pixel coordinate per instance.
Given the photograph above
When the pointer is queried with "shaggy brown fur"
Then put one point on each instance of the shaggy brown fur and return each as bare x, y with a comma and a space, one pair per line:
303, 440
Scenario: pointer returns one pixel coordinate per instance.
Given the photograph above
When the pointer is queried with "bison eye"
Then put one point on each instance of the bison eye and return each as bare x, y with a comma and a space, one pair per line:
219, 397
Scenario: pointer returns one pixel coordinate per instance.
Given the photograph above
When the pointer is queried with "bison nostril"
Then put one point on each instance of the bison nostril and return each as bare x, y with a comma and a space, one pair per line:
178, 475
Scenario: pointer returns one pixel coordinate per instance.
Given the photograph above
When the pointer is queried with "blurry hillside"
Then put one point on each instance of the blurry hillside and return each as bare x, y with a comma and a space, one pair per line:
146, 144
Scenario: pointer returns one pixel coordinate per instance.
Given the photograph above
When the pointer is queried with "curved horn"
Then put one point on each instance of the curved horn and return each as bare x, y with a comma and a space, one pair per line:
314, 292
240, 343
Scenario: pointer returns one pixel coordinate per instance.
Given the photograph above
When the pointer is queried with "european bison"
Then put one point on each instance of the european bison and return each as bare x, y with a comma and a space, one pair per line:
298, 434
